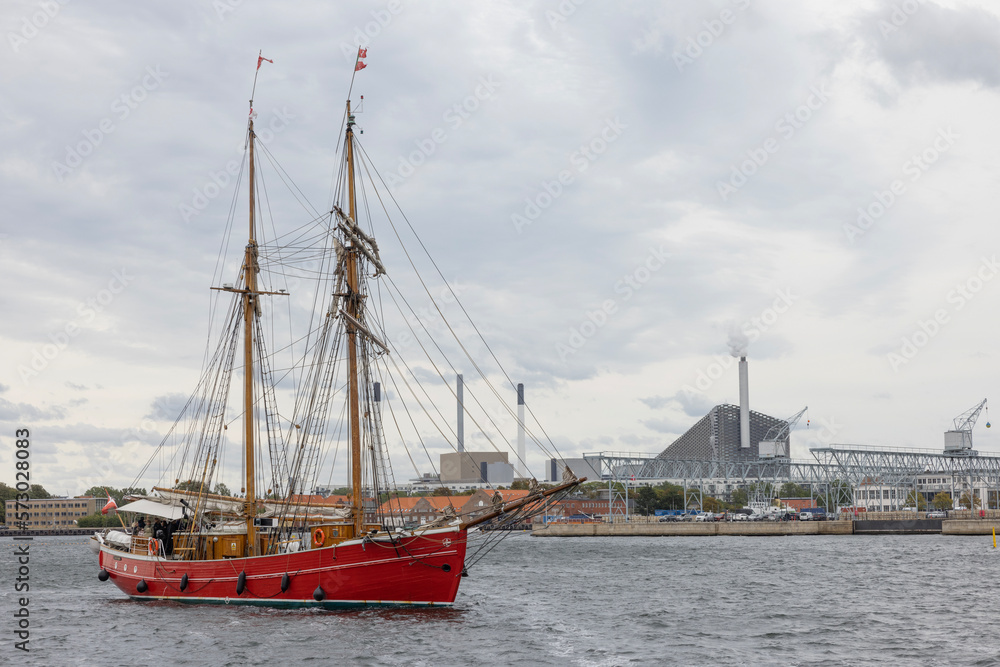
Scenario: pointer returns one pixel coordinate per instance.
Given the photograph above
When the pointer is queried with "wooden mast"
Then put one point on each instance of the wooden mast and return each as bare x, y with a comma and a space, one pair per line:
249, 311
353, 303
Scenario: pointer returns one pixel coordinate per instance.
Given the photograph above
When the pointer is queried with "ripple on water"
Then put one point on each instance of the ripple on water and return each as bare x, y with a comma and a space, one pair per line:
816, 600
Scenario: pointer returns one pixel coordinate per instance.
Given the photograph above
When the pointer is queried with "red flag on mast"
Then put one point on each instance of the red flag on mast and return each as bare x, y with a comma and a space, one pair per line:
362, 53
110, 505
360, 66
261, 59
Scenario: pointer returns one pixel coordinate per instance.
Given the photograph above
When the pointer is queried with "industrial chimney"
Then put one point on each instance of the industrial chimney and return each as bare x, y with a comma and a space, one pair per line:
521, 472
744, 405
461, 415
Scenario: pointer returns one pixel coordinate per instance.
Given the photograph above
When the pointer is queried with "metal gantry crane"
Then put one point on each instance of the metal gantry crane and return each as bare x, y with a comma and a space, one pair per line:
770, 446
958, 441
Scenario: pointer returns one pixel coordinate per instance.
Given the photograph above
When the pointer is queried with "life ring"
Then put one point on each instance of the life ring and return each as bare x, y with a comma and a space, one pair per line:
319, 538
153, 546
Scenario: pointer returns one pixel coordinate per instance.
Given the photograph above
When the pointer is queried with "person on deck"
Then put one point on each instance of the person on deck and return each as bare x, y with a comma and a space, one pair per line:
168, 535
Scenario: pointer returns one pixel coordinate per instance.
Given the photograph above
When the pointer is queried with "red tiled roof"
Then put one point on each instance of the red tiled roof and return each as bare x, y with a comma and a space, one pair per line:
304, 499
406, 504
440, 502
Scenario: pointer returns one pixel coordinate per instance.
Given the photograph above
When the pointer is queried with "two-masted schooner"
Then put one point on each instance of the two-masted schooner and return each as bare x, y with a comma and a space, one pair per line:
270, 544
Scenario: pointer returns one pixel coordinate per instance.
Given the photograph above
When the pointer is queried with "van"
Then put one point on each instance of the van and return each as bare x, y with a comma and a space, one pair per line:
805, 516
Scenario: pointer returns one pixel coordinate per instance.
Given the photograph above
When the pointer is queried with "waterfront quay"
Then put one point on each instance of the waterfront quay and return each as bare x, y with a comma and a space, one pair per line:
876, 523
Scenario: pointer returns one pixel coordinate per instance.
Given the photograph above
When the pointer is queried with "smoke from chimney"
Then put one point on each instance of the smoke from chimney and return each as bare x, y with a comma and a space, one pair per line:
737, 342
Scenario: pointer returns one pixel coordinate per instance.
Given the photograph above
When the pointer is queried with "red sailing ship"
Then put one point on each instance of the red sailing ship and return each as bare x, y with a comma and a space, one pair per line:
270, 545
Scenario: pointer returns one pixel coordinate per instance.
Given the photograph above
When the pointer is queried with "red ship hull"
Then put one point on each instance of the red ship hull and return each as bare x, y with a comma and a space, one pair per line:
420, 570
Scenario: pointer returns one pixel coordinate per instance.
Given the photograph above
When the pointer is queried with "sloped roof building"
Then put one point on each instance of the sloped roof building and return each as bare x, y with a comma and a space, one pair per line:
716, 437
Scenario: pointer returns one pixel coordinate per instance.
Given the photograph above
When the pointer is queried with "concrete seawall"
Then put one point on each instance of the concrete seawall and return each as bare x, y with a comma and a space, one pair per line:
706, 529
872, 527
969, 527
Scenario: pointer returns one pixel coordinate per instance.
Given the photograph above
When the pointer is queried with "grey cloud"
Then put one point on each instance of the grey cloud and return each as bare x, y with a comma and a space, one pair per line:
655, 184
25, 413
167, 407
937, 43
665, 425
655, 402
693, 404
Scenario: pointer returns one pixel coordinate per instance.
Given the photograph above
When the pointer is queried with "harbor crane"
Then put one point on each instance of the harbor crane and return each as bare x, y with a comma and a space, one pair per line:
776, 443
958, 441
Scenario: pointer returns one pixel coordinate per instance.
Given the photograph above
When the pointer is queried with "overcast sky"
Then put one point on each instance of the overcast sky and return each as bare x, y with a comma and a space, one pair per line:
615, 189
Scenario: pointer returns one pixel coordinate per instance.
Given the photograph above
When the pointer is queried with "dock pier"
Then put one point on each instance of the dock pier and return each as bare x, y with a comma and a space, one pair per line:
882, 526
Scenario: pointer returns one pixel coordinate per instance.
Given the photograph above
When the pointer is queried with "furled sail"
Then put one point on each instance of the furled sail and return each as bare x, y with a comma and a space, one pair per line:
210, 502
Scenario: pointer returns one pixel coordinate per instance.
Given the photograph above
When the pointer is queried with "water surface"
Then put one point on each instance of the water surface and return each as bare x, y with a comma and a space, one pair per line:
800, 600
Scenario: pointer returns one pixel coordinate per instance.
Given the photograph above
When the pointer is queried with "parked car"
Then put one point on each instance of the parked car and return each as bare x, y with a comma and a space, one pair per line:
805, 516
937, 514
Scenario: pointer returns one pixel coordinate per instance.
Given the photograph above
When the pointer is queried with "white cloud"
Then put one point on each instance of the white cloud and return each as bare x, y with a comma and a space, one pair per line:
655, 185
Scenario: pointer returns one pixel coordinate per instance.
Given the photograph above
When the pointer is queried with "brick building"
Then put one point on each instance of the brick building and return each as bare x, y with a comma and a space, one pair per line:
49, 513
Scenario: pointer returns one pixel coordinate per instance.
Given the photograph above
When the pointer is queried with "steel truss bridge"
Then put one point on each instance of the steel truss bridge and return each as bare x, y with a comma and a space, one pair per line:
835, 470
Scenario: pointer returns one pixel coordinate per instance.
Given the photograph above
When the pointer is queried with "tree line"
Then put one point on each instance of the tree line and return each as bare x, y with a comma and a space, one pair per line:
667, 496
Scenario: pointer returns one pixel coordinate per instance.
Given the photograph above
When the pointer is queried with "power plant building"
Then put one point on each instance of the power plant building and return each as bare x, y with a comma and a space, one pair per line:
467, 466
716, 437
580, 467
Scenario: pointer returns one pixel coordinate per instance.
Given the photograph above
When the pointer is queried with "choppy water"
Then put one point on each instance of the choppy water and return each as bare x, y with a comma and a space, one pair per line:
804, 600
